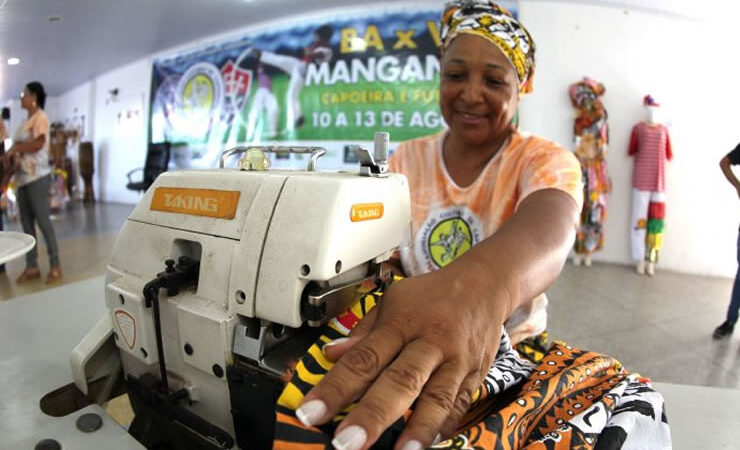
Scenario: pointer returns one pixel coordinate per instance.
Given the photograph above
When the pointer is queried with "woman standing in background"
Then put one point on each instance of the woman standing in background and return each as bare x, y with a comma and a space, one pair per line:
30, 155
3, 136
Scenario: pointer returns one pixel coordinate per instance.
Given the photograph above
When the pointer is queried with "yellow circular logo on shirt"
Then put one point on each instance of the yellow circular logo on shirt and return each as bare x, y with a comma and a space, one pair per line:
446, 234
448, 240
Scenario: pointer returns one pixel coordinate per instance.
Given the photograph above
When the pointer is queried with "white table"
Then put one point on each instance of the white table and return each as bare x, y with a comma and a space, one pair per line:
14, 244
38, 332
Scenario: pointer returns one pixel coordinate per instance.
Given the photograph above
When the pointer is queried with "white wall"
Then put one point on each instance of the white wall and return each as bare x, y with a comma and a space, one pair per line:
76, 103
684, 64
115, 153
687, 66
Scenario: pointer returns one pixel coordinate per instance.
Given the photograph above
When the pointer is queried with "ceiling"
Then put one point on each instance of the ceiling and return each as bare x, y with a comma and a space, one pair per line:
95, 36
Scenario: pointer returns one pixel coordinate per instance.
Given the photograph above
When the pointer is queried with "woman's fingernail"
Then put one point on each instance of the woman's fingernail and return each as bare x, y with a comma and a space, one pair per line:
333, 343
351, 438
311, 412
412, 445
437, 439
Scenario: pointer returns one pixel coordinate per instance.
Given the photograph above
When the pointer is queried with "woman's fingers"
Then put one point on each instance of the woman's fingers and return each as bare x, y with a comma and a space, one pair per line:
462, 404
438, 400
391, 395
336, 349
351, 375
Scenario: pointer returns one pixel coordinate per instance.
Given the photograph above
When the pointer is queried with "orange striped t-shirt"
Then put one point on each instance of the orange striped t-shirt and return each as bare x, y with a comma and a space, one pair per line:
448, 219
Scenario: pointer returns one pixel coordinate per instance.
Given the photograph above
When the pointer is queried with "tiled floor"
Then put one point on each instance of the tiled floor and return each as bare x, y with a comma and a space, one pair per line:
660, 326
85, 235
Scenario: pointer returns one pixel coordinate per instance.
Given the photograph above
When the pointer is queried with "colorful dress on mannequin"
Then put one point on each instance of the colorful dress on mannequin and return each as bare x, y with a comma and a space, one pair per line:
650, 145
591, 138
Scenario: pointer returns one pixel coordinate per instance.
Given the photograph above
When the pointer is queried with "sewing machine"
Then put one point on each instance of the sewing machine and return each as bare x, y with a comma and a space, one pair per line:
218, 282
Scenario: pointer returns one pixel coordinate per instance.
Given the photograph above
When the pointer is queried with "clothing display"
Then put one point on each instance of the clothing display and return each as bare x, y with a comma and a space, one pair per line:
648, 214
650, 146
591, 139
572, 399
447, 220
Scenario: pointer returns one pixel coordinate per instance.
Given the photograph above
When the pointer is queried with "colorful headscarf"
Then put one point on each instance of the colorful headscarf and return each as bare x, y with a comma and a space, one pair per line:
487, 19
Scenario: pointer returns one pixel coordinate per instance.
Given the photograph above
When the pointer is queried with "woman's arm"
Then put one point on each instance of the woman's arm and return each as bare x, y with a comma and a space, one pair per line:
725, 164
536, 242
433, 338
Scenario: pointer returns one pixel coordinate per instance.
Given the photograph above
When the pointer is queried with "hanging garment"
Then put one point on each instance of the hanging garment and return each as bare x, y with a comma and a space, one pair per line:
572, 399
591, 139
650, 145
648, 224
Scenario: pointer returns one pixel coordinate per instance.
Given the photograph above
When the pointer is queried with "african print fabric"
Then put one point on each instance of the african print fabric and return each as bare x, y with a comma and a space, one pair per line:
655, 227
591, 138
648, 225
533, 348
572, 399
494, 23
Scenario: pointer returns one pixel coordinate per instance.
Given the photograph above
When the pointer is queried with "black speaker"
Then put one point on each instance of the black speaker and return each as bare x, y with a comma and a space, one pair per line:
6, 113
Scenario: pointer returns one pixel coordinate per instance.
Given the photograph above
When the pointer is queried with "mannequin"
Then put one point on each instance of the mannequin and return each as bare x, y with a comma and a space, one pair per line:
650, 145
591, 135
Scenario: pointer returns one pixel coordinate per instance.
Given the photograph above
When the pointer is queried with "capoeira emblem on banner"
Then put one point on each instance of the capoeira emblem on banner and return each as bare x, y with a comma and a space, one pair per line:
200, 96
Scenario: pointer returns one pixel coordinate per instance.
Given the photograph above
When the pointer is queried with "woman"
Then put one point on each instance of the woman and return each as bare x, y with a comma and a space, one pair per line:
3, 163
494, 214
30, 154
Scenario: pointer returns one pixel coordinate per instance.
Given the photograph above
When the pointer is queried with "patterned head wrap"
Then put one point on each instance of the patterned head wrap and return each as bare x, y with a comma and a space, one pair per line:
487, 19
585, 93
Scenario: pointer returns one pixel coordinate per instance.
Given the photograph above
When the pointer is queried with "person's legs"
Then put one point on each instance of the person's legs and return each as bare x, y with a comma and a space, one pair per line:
254, 112
2, 266
271, 108
640, 202
734, 309
39, 196
27, 222
295, 113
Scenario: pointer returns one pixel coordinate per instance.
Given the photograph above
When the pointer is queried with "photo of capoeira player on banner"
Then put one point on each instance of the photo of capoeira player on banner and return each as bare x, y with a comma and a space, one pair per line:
264, 101
318, 52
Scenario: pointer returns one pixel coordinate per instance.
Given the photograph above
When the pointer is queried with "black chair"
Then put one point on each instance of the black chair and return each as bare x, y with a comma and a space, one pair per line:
157, 160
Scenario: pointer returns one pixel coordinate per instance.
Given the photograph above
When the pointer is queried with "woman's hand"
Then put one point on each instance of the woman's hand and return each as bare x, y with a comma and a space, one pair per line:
431, 340
13, 157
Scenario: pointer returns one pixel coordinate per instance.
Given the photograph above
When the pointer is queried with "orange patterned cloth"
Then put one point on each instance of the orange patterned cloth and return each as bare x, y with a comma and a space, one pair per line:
572, 399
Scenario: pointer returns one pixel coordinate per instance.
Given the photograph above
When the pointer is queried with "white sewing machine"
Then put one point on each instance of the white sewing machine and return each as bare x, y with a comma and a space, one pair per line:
219, 279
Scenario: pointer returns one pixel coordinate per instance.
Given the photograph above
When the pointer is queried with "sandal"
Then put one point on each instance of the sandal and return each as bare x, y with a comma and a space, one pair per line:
54, 275
28, 275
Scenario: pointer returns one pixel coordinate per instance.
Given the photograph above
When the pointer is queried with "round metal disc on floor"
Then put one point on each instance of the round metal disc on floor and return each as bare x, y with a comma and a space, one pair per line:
88, 423
48, 444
